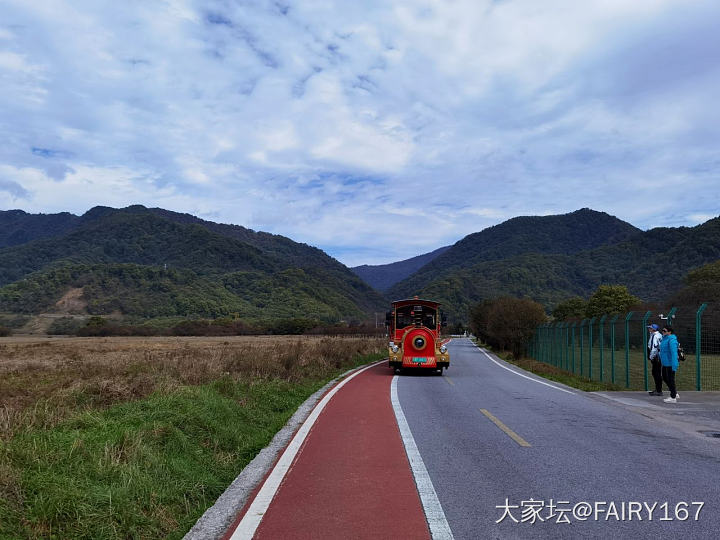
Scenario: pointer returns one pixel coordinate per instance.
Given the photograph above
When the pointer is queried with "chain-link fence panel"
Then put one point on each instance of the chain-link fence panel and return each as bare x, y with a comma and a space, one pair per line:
582, 348
683, 323
614, 349
618, 368
636, 344
709, 348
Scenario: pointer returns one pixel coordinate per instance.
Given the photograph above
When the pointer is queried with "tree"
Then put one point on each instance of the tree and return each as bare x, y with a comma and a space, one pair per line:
703, 285
507, 322
513, 322
478, 316
572, 308
710, 273
610, 300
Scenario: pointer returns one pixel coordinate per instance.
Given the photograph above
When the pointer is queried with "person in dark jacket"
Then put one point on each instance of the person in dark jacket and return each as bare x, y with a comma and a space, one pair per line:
669, 360
654, 357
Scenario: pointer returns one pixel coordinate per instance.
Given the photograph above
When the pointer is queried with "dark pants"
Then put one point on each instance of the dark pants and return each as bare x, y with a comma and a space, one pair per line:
657, 374
668, 376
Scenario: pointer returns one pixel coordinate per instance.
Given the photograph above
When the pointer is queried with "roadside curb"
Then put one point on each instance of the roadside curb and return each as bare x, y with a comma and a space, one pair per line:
217, 519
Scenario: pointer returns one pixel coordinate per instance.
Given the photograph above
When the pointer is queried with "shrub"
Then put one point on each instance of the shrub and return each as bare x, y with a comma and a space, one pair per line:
13, 321
65, 326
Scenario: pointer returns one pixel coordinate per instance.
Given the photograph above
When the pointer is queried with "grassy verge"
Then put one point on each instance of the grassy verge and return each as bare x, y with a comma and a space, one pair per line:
556, 374
149, 467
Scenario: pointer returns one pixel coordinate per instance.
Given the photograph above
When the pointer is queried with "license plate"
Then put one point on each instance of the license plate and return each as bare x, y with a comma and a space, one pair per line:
419, 360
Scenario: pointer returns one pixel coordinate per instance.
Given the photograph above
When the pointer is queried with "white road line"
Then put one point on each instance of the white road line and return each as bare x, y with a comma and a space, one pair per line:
439, 528
520, 374
252, 518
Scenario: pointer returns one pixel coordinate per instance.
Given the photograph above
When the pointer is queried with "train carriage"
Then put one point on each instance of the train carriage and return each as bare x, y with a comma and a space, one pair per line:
415, 331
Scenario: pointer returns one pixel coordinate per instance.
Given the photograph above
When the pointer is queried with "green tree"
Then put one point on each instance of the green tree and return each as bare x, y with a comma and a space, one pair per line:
610, 299
572, 308
703, 285
710, 273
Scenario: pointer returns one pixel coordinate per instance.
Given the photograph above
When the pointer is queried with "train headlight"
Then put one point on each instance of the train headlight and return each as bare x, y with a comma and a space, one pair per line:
443, 349
419, 342
395, 348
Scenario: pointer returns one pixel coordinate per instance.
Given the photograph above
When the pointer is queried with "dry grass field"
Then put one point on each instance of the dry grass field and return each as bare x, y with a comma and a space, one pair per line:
43, 380
136, 437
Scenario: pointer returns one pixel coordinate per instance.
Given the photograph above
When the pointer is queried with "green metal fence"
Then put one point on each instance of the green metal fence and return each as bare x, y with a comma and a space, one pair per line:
613, 348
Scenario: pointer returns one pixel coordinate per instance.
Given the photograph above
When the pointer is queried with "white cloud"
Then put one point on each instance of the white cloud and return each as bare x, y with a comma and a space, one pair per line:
343, 124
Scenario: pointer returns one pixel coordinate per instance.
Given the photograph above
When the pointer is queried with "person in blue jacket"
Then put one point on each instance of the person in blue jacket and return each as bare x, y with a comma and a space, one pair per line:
669, 360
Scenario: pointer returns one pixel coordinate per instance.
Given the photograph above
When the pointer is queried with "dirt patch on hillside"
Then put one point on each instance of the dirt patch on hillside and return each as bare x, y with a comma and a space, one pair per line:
72, 303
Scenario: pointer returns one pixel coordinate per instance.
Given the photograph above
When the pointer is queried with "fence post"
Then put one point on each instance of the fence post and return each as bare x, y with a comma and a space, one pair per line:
567, 346
602, 345
558, 349
612, 347
698, 345
556, 343
540, 345
572, 344
590, 346
552, 344
627, 348
645, 352
582, 342
546, 339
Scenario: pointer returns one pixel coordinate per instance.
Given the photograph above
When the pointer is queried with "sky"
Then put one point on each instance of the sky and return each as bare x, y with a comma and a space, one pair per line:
374, 130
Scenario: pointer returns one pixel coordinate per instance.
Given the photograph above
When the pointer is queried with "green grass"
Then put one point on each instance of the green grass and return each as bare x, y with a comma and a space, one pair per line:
686, 376
557, 374
141, 469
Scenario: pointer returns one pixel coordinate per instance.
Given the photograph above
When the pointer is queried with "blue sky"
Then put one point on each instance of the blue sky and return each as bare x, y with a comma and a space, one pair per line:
376, 131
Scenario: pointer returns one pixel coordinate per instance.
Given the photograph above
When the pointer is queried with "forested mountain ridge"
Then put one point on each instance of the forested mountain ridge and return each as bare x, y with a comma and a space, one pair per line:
651, 264
151, 262
558, 234
384, 276
18, 227
144, 262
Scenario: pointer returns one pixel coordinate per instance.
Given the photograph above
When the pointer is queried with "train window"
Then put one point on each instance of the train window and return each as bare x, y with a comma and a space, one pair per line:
404, 317
408, 315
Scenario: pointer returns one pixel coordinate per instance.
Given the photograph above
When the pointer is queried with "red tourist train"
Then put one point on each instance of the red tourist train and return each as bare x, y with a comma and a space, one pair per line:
415, 328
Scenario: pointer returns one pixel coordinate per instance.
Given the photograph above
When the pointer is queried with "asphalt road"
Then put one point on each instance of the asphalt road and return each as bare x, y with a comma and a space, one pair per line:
496, 443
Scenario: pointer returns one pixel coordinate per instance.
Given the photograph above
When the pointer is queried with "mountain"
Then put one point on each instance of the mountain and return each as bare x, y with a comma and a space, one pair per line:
651, 264
152, 262
18, 227
559, 234
384, 276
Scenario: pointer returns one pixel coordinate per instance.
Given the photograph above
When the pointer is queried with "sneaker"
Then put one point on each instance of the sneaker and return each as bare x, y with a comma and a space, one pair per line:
670, 400
655, 393
677, 396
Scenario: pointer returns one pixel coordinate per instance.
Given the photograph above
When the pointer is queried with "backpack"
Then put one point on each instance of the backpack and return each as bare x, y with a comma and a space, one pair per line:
681, 353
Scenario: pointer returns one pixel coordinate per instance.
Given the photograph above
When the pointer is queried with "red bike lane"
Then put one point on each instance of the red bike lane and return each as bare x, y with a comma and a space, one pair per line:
351, 477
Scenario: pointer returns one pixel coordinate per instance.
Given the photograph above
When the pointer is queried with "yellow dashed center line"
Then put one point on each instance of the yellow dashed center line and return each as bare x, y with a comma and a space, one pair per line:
449, 380
510, 433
